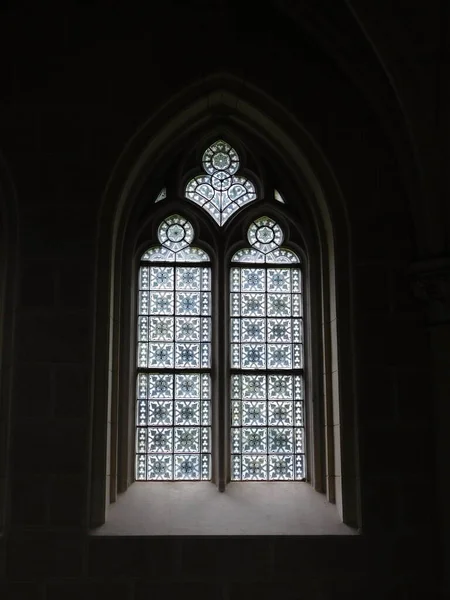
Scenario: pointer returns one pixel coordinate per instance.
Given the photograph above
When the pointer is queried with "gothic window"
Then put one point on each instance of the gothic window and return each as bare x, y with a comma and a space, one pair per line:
267, 428
174, 358
260, 332
233, 379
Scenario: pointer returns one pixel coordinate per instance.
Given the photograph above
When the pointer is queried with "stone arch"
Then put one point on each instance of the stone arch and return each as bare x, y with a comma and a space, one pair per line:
341, 36
267, 121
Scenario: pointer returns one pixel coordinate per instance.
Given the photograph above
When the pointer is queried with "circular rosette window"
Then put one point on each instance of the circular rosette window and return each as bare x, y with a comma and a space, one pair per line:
175, 233
265, 235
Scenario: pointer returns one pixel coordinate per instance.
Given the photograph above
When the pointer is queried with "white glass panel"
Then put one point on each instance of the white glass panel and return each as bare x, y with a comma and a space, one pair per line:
162, 194
278, 197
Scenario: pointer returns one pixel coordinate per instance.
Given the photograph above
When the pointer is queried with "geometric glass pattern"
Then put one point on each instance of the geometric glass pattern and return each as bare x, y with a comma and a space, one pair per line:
173, 410
219, 190
267, 399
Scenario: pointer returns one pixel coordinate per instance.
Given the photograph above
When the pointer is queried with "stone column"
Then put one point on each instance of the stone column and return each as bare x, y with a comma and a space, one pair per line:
432, 286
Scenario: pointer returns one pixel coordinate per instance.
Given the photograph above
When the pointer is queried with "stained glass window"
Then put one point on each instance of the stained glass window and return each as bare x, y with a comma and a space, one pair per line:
267, 397
173, 410
162, 195
278, 197
220, 191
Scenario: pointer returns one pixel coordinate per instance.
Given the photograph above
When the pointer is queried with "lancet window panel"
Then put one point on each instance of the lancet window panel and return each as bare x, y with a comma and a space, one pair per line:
173, 408
267, 397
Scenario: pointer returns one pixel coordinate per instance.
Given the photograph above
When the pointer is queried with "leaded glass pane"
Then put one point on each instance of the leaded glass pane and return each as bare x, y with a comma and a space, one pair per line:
282, 255
278, 305
162, 195
187, 412
279, 356
161, 303
160, 385
278, 280
161, 329
253, 280
187, 439
278, 197
187, 329
144, 278
159, 467
253, 305
159, 412
220, 191
252, 330
143, 329
253, 356
173, 409
187, 356
248, 255
282, 468
253, 386
280, 330
187, 467
267, 411
280, 413
188, 278
192, 255
161, 278
160, 355
158, 254
254, 468
175, 235
188, 303
253, 413
265, 237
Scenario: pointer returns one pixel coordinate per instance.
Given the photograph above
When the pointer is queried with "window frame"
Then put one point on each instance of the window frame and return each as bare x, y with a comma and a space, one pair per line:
220, 102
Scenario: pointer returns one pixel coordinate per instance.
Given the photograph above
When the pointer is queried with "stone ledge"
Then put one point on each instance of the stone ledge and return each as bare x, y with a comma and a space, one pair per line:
256, 508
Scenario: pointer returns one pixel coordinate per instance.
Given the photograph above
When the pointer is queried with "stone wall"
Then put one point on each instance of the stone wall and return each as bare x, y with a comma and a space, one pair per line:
78, 87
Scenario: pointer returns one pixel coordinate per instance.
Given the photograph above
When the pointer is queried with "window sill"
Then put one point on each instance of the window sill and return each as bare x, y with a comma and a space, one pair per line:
256, 508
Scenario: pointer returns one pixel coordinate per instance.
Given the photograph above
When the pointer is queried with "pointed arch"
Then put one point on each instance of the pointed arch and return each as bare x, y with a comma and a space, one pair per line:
313, 186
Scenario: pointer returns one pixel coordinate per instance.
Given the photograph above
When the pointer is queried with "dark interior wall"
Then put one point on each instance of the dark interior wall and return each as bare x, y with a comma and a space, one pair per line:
76, 85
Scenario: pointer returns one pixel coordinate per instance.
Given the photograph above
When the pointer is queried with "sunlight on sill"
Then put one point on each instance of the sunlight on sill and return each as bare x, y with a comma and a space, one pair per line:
256, 508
